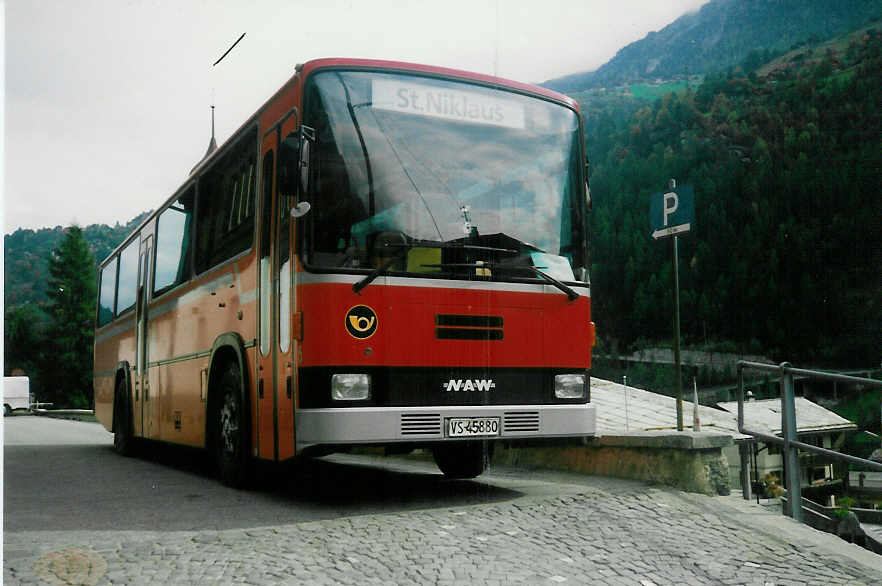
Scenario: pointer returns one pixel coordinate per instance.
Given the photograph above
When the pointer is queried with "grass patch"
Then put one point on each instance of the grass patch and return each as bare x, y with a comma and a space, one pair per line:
643, 91
73, 415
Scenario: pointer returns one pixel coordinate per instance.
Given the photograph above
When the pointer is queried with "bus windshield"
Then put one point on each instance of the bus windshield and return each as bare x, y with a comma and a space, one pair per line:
437, 177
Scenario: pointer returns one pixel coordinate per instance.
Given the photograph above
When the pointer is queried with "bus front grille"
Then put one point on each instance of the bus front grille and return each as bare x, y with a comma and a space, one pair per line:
468, 327
520, 422
420, 424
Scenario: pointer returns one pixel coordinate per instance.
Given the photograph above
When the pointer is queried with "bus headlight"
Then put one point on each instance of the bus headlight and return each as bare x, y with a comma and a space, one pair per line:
569, 386
350, 387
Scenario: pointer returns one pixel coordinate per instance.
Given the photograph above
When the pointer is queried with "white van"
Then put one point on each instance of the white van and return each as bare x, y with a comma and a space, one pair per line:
16, 393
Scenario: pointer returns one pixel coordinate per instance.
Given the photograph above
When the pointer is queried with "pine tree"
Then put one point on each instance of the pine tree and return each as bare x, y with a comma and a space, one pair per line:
71, 295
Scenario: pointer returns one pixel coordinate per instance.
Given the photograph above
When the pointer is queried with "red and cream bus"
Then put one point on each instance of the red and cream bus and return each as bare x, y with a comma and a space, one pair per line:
385, 254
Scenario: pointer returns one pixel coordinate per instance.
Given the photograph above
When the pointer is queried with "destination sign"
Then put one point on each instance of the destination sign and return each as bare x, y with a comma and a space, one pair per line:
409, 97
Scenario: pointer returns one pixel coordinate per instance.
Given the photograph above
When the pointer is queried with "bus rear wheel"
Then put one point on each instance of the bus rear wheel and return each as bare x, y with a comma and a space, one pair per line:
231, 443
123, 438
463, 460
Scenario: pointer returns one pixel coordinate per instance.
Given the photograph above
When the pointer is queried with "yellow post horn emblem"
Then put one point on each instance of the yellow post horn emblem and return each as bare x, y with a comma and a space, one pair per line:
361, 322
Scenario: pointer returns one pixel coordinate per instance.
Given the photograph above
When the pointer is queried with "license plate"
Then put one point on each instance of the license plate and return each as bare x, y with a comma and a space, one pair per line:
472, 426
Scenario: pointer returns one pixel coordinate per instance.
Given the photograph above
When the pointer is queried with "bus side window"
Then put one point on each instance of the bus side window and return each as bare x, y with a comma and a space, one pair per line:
173, 244
127, 291
224, 212
234, 208
107, 294
247, 204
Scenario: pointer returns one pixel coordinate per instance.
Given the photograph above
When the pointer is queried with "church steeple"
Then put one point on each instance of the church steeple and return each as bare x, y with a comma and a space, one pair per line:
212, 144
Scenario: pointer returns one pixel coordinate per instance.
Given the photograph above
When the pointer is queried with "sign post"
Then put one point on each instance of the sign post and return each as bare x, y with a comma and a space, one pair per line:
671, 214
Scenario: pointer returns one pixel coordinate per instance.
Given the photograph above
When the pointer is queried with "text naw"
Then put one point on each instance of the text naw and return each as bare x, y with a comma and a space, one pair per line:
454, 385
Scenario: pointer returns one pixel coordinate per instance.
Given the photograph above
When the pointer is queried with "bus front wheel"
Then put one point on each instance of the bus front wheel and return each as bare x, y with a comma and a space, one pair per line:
231, 449
463, 460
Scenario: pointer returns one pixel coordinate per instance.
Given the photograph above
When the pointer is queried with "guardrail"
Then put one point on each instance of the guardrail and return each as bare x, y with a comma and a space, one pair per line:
788, 428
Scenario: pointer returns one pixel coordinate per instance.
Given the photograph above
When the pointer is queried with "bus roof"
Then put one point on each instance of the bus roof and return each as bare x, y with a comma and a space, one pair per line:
304, 69
337, 62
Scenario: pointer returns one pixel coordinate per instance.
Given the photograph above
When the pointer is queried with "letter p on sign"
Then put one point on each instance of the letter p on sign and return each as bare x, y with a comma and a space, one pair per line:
672, 213
671, 201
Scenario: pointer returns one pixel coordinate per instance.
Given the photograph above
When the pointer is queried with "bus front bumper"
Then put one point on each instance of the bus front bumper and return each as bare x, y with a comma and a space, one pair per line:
394, 425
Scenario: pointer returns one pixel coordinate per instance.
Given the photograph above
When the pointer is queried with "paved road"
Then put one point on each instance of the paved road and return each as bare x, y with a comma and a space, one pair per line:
50, 462
91, 517
28, 430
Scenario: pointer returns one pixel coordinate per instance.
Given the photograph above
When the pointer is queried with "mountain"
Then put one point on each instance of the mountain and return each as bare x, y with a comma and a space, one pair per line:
783, 257
723, 34
26, 270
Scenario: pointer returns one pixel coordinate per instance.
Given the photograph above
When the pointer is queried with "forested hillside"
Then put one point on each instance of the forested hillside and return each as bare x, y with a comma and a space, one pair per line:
27, 252
50, 292
722, 34
784, 258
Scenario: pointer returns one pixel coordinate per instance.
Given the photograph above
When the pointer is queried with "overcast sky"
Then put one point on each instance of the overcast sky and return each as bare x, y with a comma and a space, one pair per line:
107, 102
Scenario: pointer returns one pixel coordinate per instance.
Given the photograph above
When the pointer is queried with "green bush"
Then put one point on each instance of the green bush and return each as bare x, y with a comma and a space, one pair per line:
843, 507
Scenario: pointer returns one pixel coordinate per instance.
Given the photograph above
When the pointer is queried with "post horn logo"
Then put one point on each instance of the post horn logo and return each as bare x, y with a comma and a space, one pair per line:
361, 322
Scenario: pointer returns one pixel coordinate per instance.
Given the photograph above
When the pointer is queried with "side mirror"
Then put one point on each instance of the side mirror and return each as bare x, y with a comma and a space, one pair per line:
307, 139
289, 165
300, 210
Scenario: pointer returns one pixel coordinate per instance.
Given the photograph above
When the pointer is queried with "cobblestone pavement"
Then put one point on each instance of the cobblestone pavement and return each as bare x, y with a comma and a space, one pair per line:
606, 532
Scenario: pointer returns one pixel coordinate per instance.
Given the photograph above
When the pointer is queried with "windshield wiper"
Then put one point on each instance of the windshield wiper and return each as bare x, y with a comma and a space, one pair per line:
369, 278
569, 291
571, 294
457, 245
405, 246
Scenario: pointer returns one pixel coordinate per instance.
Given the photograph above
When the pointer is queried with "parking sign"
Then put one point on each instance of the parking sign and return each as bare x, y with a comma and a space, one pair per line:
672, 213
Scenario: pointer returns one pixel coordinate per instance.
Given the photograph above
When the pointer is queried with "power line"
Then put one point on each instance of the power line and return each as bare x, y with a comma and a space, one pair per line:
228, 50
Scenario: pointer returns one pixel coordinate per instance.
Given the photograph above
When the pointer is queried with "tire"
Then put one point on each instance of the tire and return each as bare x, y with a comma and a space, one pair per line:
7, 410
463, 460
231, 431
123, 438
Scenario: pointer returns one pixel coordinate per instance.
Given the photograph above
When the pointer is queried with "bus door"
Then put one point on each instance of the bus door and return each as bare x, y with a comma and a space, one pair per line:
148, 400
267, 395
287, 322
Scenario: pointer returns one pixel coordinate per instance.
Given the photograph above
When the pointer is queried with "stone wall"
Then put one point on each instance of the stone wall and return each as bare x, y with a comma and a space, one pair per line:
693, 462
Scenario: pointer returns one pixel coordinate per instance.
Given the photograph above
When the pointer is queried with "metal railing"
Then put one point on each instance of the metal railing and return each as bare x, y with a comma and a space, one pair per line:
788, 429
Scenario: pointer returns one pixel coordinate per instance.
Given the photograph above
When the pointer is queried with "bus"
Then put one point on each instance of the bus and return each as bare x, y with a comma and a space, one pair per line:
384, 255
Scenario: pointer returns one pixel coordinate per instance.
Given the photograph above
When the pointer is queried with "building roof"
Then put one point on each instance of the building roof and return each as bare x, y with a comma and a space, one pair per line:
621, 410
765, 416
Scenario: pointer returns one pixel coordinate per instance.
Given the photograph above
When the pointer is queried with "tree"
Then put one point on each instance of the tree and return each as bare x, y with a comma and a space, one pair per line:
22, 334
71, 293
